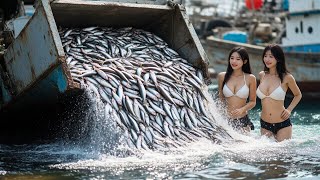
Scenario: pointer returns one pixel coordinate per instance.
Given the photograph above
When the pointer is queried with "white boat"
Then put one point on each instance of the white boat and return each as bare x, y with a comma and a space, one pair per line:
303, 26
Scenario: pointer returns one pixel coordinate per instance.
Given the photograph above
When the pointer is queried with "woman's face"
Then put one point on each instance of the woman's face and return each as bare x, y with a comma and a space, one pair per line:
269, 60
235, 61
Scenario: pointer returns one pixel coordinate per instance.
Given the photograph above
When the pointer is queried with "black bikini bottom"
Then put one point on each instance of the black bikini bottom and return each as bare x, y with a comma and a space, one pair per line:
242, 122
275, 127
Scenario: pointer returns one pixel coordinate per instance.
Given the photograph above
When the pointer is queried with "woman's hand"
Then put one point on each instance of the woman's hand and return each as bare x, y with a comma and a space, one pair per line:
238, 112
285, 114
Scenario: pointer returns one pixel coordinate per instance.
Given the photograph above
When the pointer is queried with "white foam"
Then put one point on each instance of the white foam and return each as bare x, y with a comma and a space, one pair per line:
251, 147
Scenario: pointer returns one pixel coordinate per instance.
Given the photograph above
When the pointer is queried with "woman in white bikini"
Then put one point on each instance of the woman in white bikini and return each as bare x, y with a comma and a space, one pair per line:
236, 86
274, 83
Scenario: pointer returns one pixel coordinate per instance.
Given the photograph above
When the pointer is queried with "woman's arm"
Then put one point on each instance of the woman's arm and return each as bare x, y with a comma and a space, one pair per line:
220, 81
261, 75
296, 99
252, 95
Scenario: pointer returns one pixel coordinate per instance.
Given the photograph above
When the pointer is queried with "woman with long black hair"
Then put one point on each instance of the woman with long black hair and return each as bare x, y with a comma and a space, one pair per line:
236, 86
275, 80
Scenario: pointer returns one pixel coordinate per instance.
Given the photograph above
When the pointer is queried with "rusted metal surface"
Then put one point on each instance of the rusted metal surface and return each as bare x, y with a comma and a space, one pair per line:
187, 42
305, 67
33, 59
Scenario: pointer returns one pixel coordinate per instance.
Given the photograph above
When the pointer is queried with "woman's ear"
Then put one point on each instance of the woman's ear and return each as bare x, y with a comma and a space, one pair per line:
245, 61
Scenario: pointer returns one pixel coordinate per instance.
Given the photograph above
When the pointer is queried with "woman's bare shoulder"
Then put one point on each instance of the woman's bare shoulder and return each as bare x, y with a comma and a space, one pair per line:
261, 73
221, 75
288, 77
252, 76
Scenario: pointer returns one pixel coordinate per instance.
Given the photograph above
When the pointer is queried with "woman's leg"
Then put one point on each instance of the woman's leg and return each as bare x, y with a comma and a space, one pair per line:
284, 133
265, 132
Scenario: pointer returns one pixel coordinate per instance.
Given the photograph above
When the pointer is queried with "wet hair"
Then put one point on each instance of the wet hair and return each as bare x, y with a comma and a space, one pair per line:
278, 54
244, 56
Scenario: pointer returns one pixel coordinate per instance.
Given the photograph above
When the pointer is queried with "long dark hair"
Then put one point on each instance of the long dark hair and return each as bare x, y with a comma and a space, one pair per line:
244, 56
278, 54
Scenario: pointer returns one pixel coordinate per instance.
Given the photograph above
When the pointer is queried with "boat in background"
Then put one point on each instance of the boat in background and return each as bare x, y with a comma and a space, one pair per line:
238, 21
302, 27
301, 46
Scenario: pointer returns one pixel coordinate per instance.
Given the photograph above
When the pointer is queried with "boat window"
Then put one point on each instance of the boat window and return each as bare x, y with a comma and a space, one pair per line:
310, 29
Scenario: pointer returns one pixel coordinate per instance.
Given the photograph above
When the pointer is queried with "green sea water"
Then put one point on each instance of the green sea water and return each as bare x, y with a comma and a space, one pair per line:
248, 157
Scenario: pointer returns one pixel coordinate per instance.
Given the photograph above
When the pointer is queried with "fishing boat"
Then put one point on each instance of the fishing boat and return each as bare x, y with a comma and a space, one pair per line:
301, 45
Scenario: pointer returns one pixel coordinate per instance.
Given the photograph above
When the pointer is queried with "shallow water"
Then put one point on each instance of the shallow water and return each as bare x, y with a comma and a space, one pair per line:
248, 157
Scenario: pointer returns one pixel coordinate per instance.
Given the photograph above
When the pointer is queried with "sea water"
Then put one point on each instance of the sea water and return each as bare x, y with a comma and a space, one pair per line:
247, 157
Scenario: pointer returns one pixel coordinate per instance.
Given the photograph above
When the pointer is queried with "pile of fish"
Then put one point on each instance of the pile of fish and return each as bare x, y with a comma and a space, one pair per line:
153, 94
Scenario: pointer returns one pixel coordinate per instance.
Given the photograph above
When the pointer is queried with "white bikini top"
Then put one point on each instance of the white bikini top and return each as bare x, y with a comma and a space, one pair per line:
243, 92
277, 94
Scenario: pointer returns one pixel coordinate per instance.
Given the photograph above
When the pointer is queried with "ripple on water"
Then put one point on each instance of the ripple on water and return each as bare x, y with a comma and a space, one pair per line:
316, 116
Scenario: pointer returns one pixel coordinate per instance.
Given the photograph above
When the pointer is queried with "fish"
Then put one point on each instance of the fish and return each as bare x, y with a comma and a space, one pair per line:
155, 96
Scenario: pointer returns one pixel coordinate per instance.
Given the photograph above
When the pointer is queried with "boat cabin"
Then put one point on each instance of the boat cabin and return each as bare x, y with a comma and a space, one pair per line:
303, 26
